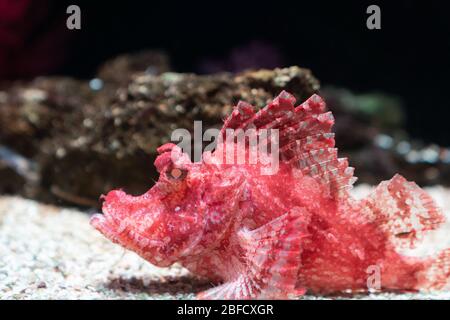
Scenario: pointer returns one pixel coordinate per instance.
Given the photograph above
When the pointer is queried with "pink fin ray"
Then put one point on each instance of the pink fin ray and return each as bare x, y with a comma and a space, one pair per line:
274, 115
273, 257
307, 128
280, 107
325, 166
280, 113
308, 143
240, 114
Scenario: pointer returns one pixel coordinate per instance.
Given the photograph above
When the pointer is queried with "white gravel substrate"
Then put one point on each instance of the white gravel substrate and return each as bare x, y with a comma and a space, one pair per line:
48, 252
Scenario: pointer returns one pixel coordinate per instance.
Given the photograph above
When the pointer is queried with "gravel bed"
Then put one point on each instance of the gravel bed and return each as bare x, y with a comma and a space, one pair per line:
48, 252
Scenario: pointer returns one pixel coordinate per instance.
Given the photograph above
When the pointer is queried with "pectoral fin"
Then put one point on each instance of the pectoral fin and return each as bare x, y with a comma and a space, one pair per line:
273, 258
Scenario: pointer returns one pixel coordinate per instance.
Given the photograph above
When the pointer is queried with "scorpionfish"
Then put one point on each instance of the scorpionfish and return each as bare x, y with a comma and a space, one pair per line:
279, 235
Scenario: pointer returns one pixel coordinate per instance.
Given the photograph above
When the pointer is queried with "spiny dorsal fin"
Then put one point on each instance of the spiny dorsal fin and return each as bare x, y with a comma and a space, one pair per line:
240, 114
305, 138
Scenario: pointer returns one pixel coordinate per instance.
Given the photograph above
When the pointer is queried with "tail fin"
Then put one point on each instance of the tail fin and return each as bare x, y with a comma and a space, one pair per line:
412, 224
403, 211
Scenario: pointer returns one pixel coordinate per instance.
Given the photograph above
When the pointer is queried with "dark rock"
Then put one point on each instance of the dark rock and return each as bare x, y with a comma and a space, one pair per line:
121, 68
87, 140
370, 131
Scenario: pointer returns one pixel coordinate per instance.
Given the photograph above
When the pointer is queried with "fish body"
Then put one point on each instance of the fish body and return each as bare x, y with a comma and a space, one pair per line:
280, 234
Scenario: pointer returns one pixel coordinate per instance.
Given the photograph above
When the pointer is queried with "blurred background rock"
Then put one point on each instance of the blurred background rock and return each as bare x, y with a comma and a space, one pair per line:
82, 112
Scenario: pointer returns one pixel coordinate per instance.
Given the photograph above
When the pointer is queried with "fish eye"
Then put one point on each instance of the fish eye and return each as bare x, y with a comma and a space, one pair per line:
176, 174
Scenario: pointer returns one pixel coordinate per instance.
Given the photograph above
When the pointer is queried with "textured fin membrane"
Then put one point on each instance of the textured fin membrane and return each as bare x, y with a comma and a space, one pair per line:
273, 259
403, 210
437, 276
305, 137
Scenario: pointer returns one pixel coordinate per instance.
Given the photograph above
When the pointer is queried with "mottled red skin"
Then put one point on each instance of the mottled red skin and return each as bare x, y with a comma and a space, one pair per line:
217, 220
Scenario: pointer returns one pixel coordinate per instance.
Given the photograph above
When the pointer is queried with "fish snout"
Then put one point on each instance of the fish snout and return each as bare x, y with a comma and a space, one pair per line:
129, 219
102, 224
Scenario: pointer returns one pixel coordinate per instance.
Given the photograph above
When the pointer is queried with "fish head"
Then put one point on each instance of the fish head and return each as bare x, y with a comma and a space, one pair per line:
176, 218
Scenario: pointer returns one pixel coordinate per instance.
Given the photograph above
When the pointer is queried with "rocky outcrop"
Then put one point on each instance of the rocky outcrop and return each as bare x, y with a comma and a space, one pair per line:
79, 139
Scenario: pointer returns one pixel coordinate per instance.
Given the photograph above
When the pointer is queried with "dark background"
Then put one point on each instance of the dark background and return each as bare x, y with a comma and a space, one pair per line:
408, 57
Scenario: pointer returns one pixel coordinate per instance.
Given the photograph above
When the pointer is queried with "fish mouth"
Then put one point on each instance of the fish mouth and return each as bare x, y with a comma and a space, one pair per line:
118, 224
129, 239
104, 225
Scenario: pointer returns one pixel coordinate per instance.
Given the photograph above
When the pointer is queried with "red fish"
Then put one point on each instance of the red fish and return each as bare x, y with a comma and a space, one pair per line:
277, 235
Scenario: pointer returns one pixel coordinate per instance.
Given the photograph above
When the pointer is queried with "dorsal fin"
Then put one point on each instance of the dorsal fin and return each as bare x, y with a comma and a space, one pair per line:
305, 138
240, 114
